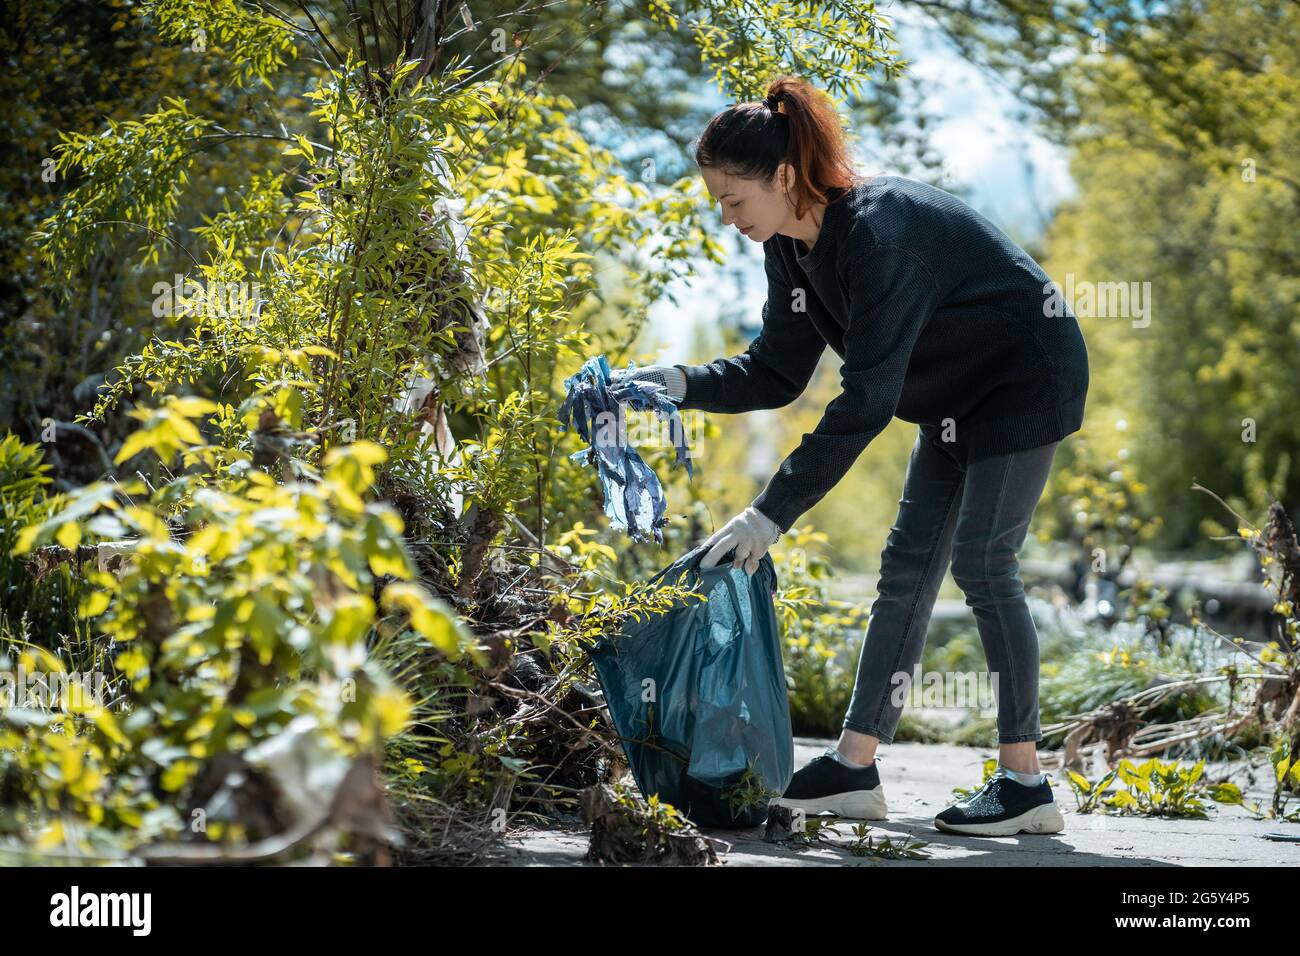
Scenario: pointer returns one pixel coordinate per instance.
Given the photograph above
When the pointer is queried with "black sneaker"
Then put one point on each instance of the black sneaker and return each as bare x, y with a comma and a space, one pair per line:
826, 785
1003, 807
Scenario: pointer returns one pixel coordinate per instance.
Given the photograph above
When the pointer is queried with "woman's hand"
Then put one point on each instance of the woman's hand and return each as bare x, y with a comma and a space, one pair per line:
669, 376
751, 533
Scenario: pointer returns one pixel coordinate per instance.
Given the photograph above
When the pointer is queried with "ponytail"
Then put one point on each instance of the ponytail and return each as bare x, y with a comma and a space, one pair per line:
795, 123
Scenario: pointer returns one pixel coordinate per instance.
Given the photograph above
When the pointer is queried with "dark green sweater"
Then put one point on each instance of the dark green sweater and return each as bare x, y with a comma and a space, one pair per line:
940, 319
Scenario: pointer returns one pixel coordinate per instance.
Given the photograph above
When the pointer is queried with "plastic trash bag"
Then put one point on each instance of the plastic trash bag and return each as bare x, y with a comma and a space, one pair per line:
718, 705
634, 498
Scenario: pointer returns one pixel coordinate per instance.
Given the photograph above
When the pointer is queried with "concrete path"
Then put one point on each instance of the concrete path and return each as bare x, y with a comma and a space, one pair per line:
918, 781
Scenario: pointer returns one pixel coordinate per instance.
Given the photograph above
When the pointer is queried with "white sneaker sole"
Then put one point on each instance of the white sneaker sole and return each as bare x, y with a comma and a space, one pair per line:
855, 804
1044, 819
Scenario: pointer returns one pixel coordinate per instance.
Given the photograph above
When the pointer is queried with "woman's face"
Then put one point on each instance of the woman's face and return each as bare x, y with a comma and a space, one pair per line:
757, 209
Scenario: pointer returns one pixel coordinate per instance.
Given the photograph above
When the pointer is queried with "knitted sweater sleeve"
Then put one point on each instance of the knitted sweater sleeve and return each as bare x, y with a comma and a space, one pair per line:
778, 364
892, 295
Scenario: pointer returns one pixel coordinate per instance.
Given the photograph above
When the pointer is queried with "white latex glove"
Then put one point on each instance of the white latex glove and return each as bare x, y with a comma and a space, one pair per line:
669, 376
751, 533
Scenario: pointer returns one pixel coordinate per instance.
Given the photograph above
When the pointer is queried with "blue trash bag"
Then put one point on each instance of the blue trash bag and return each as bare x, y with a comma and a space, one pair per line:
633, 497
719, 704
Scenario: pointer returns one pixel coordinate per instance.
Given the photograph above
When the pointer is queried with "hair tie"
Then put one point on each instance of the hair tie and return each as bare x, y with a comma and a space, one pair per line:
772, 102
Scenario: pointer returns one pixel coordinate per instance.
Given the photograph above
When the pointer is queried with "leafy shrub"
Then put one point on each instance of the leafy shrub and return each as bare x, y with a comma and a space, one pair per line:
1153, 788
240, 618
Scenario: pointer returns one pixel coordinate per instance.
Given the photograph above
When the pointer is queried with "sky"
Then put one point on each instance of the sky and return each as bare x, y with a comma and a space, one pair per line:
1004, 169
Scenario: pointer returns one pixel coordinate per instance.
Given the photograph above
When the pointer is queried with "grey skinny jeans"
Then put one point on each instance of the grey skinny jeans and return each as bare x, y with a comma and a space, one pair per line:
976, 517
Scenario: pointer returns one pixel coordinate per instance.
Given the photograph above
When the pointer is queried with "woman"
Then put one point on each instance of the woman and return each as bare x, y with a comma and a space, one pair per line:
939, 319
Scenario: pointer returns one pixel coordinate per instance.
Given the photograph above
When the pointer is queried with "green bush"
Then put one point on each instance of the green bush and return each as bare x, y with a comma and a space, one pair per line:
239, 617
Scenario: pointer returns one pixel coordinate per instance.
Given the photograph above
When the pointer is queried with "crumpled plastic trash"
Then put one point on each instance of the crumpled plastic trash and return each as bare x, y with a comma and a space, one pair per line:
634, 498
698, 694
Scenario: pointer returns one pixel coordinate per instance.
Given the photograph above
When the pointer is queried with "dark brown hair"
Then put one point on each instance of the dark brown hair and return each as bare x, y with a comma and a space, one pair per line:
796, 124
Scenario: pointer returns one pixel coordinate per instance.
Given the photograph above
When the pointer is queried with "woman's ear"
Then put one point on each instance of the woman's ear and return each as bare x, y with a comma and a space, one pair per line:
784, 177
